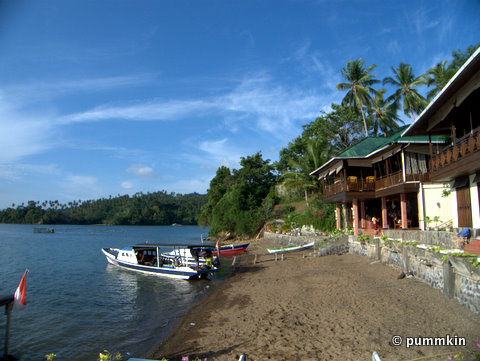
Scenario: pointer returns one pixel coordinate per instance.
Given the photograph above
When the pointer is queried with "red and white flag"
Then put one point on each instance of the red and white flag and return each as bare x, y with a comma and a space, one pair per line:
20, 293
218, 250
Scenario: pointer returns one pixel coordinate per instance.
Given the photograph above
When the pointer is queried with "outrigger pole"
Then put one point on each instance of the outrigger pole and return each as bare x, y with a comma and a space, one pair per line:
7, 301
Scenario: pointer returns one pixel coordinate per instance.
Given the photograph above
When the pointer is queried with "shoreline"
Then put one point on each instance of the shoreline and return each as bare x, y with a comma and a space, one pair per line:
325, 308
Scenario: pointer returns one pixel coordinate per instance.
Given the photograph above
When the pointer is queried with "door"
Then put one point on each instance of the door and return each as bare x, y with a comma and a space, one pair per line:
464, 206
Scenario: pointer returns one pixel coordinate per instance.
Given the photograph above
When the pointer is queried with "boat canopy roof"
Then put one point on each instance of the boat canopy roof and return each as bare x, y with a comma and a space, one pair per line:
170, 245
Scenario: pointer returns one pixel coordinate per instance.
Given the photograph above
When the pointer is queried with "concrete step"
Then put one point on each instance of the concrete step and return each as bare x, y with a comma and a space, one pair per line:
472, 248
371, 232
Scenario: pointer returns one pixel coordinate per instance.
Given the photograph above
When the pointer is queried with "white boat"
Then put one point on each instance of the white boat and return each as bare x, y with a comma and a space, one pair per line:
290, 248
187, 254
148, 258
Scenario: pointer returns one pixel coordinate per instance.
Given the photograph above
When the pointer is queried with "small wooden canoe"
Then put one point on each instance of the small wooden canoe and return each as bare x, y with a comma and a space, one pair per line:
231, 249
290, 248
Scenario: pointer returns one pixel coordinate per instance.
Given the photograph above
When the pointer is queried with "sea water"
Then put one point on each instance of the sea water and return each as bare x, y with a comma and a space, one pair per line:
77, 304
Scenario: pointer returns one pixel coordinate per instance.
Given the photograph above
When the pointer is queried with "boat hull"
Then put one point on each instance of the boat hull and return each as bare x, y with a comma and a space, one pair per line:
231, 250
290, 248
180, 272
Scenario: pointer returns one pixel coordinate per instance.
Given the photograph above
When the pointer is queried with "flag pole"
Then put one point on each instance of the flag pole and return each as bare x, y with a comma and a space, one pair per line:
8, 312
7, 301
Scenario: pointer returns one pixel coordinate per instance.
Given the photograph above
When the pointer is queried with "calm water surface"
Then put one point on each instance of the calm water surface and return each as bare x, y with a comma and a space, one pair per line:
77, 304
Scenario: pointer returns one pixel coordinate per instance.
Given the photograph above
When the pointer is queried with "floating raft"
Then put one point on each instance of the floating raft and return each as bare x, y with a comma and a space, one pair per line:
43, 230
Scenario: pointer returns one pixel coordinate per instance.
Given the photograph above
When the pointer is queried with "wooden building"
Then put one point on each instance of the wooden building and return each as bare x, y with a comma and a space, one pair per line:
381, 177
455, 113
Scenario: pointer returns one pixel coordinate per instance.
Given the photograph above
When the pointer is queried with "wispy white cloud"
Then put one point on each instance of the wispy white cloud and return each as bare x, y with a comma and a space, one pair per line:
146, 111
256, 104
219, 152
422, 20
81, 180
265, 106
14, 171
75, 186
127, 185
22, 134
141, 170
41, 90
393, 47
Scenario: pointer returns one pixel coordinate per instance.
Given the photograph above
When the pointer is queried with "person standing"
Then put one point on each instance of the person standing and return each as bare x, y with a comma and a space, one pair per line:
375, 224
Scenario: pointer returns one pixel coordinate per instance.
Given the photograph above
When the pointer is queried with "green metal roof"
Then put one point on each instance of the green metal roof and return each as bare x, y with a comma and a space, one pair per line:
424, 139
368, 145
363, 148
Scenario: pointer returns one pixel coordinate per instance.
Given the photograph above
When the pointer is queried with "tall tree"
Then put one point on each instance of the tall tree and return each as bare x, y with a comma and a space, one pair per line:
299, 178
459, 57
406, 84
218, 187
438, 77
242, 208
359, 86
384, 114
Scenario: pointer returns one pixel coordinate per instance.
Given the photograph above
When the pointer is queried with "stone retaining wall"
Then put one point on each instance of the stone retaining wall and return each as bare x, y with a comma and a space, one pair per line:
434, 238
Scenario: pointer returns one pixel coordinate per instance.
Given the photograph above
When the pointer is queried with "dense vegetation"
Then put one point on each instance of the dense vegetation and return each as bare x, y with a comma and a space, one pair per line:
240, 201
157, 208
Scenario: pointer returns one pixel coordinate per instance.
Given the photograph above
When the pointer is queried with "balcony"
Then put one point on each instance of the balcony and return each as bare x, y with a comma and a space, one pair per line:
352, 184
458, 157
396, 178
389, 180
370, 184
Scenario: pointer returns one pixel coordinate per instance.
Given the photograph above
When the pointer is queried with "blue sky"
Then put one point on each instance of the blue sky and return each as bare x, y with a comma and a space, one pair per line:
102, 97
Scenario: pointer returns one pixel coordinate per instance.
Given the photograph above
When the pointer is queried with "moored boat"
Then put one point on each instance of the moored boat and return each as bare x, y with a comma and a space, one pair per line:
191, 257
148, 258
290, 248
231, 249
43, 230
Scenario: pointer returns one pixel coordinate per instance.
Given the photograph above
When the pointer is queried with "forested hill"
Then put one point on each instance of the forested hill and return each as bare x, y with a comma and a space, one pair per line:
159, 208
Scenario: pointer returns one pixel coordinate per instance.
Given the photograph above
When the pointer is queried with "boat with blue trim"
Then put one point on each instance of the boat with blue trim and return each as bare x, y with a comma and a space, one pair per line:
149, 258
198, 254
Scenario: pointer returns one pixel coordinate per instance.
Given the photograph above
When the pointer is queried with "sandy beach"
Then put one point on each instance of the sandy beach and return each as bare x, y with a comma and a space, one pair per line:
340, 307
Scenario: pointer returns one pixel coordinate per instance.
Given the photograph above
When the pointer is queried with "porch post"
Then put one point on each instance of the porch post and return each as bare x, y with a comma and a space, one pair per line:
362, 213
403, 208
384, 213
338, 218
355, 216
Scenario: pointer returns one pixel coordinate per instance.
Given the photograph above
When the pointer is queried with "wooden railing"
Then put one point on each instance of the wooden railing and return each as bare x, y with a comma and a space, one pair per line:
331, 189
461, 148
389, 180
370, 184
350, 185
418, 177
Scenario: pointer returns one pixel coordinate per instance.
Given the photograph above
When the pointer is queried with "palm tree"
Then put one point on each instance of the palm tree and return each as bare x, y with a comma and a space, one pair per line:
405, 81
384, 114
299, 178
438, 76
359, 82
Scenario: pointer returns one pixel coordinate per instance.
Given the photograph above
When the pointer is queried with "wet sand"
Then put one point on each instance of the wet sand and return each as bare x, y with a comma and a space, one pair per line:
324, 308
